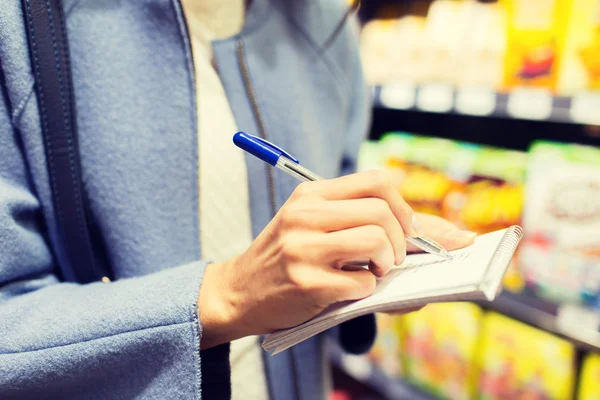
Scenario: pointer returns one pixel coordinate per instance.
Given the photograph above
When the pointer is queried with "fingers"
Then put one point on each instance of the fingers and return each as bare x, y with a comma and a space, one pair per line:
363, 185
337, 285
369, 241
331, 216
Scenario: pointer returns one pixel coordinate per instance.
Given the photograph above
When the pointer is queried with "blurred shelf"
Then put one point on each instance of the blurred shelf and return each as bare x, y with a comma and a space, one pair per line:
525, 104
578, 325
443, 112
575, 324
363, 370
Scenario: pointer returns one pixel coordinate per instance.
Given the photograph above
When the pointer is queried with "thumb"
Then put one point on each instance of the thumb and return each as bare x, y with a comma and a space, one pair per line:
456, 239
442, 231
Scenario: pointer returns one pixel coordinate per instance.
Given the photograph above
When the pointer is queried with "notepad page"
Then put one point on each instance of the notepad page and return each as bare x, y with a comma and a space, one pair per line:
423, 274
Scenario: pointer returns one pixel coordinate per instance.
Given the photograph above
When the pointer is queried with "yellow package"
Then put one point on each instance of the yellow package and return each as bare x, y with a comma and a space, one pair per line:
580, 62
589, 386
417, 166
439, 344
517, 361
385, 352
535, 37
494, 195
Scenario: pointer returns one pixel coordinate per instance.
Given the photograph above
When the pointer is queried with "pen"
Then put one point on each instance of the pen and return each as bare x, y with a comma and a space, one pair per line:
281, 159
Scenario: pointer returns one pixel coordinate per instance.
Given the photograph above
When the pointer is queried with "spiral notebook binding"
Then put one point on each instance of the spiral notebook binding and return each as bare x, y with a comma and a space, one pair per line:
500, 261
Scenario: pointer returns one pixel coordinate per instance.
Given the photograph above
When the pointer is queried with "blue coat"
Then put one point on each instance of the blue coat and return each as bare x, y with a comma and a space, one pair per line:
139, 336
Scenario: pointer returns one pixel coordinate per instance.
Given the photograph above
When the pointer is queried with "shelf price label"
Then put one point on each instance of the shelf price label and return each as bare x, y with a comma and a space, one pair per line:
435, 97
398, 95
480, 101
580, 323
585, 108
530, 103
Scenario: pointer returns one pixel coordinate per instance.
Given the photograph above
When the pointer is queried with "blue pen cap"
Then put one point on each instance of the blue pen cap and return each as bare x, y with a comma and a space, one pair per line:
260, 148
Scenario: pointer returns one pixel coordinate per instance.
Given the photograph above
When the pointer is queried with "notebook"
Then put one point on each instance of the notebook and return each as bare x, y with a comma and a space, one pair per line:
474, 273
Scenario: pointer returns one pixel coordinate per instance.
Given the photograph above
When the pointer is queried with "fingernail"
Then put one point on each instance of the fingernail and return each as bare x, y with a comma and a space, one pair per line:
461, 235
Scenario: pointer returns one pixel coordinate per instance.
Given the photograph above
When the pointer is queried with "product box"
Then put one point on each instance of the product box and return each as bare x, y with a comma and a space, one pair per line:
535, 37
385, 352
580, 62
417, 166
439, 345
517, 361
560, 253
377, 40
370, 157
589, 382
494, 193
446, 26
393, 49
482, 58
460, 170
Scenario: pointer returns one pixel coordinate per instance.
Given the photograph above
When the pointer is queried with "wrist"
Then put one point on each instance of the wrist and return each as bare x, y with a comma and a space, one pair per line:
216, 311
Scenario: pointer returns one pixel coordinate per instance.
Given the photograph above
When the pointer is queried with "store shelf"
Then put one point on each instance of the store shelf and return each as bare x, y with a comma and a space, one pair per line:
579, 325
364, 371
525, 104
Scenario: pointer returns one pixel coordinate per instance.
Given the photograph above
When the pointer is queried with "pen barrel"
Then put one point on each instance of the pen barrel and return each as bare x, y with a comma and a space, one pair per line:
296, 170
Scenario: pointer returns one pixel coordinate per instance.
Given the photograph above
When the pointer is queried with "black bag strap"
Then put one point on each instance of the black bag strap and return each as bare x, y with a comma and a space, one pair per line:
49, 53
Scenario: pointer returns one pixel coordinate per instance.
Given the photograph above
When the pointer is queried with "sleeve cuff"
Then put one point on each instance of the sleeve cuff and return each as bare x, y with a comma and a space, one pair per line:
358, 335
216, 372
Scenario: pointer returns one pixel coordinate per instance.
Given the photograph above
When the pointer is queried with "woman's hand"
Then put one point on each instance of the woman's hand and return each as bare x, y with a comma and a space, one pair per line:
293, 270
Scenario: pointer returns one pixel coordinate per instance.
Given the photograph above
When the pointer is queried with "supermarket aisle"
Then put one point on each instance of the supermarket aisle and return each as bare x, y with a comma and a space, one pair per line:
484, 114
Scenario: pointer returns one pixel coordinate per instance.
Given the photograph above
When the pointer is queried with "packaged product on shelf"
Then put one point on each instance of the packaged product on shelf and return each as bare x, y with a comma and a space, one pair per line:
417, 166
394, 150
535, 37
589, 382
391, 49
369, 156
445, 24
482, 59
580, 63
460, 170
560, 254
494, 194
385, 352
408, 65
378, 38
439, 345
517, 361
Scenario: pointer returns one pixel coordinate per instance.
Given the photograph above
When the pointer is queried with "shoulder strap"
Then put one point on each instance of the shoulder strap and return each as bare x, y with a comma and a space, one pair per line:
51, 68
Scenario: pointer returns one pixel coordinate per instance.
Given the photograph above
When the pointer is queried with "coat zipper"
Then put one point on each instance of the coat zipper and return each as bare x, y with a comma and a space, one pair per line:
259, 121
270, 182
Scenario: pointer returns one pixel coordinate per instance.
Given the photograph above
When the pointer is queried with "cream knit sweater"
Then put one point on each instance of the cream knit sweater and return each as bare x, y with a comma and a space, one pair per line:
225, 227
